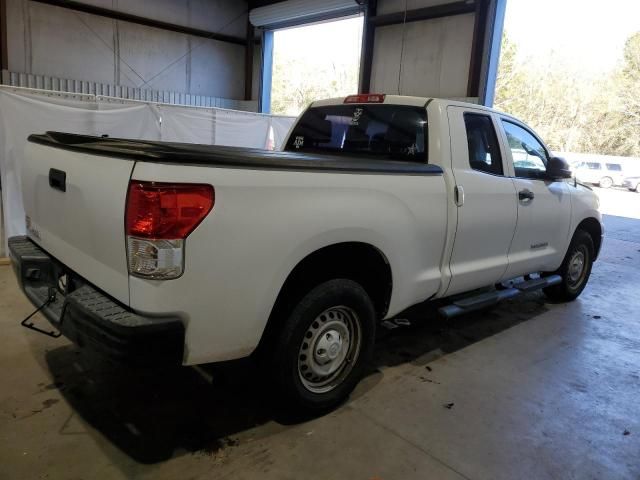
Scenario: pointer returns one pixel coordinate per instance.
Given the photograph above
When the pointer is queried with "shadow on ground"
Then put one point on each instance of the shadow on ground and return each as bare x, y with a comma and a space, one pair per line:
154, 415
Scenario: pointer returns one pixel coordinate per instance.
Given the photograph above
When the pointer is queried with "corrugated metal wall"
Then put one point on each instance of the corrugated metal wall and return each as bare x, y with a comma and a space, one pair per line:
45, 82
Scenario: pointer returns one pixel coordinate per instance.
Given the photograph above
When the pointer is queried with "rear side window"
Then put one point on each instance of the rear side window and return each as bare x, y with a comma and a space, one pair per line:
614, 167
384, 131
484, 150
594, 166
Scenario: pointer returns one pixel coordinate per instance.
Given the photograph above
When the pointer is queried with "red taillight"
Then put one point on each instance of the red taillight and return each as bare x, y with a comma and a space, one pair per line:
365, 98
166, 210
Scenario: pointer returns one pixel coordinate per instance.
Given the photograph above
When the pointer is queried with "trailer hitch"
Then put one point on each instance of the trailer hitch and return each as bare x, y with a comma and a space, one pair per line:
51, 297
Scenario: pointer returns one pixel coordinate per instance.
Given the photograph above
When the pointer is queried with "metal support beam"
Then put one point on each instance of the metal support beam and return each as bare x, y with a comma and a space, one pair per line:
248, 62
368, 38
267, 71
427, 13
148, 22
477, 48
4, 48
491, 74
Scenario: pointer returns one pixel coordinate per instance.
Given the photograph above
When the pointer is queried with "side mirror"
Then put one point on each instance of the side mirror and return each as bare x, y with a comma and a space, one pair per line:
558, 168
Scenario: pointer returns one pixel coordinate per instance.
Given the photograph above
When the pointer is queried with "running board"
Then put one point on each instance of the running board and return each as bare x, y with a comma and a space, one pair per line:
483, 300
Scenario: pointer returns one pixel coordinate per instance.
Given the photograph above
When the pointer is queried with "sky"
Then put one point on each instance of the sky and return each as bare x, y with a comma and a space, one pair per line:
591, 33
339, 41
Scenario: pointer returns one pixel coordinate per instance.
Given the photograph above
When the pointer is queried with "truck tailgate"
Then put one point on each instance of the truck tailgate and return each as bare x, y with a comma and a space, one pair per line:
75, 205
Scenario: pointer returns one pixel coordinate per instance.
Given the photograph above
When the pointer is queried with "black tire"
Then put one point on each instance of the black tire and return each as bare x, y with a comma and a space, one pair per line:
572, 282
338, 297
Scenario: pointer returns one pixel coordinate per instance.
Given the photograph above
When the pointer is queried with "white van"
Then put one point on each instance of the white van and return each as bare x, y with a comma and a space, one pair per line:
603, 173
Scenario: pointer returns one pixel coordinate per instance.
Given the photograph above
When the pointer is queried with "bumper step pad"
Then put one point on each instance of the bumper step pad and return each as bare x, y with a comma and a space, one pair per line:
91, 318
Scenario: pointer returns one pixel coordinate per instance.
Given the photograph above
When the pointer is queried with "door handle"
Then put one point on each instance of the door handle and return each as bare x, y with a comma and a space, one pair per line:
459, 195
525, 194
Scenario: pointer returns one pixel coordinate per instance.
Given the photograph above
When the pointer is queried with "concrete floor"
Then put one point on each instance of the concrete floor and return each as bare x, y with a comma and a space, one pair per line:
528, 390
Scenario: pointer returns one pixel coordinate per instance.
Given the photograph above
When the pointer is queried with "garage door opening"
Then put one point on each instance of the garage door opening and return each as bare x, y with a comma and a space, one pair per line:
313, 62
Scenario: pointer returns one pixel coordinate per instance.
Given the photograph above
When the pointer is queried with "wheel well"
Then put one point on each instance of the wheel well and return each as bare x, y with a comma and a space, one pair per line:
594, 229
360, 262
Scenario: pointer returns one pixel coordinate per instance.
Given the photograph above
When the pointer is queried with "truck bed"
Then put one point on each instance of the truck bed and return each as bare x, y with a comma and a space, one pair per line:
221, 156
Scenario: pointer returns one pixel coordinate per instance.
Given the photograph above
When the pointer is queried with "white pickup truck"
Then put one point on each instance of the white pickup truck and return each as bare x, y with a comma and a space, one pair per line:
189, 254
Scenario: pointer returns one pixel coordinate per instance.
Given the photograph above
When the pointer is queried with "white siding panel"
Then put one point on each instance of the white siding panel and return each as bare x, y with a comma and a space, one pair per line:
435, 57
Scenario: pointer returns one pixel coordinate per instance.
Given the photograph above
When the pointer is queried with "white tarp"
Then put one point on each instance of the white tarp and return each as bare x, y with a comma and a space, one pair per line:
23, 112
281, 126
185, 124
232, 128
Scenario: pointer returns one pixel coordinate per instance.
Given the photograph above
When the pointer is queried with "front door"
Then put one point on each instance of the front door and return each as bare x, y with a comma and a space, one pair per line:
486, 210
544, 206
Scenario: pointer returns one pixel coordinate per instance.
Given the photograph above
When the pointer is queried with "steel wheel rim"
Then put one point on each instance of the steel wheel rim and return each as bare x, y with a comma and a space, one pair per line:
577, 267
329, 349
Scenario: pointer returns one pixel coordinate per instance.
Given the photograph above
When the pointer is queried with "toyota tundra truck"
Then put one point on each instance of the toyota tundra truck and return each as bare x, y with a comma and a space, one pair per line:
170, 253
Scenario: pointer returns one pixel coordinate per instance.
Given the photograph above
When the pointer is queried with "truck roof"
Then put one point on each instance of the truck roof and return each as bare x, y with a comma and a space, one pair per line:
401, 100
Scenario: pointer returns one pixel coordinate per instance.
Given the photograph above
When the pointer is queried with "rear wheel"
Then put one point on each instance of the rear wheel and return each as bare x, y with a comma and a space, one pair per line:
606, 182
575, 269
324, 345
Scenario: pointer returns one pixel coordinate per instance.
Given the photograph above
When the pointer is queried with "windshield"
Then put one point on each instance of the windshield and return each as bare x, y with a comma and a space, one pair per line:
386, 131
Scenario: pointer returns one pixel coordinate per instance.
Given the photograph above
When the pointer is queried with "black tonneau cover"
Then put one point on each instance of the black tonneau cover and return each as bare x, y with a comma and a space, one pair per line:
234, 157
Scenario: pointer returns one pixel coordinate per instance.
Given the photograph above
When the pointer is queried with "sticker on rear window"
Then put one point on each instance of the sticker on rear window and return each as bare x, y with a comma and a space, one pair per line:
411, 149
299, 141
357, 113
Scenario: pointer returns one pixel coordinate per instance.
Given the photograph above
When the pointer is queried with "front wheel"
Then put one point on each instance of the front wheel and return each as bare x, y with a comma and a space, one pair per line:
606, 182
324, 345
575, 269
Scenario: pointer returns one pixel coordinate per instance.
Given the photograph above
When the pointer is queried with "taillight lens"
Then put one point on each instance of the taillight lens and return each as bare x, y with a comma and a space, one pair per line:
365, 98
159, 216
167, 210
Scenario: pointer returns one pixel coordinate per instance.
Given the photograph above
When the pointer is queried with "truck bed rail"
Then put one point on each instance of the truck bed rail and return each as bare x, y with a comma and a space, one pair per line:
232, 157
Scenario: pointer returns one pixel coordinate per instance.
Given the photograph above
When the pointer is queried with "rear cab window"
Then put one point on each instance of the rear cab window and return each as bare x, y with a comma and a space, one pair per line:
391, 132
482, 142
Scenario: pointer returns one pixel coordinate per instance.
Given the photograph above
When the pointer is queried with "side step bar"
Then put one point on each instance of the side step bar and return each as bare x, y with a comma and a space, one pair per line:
482, 300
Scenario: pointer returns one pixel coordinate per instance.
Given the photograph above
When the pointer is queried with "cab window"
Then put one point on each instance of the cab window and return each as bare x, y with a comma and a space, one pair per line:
529, 156
614, 167
378, 131
484, 150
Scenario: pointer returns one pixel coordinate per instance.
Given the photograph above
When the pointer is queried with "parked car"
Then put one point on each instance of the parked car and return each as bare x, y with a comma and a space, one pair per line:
601, 173
174, 253
632, 183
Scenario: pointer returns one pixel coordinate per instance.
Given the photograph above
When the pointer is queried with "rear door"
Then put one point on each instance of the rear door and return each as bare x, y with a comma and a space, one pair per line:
615, 172
486, 210
544, 206
74, 205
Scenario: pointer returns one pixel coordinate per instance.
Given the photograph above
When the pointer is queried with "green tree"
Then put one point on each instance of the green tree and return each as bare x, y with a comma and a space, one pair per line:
571, 109
297, 81
628, 92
